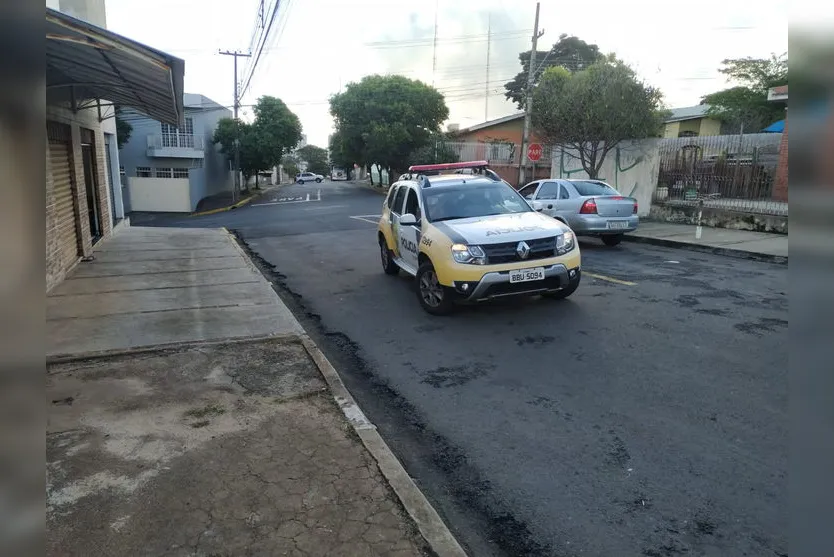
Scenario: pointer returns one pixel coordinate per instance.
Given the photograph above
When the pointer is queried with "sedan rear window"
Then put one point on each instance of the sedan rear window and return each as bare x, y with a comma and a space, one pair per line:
593, 188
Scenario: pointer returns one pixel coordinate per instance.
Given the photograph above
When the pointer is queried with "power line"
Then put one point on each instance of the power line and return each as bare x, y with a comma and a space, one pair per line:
265, 35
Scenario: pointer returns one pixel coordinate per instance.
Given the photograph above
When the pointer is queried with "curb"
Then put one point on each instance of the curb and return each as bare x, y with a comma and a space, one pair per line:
428, 521
240, 203
715, 250
431, 526
370, 187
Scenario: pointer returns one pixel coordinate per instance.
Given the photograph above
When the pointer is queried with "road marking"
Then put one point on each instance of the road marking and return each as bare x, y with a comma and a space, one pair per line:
286, 202
320, 207
610, 279
367, 218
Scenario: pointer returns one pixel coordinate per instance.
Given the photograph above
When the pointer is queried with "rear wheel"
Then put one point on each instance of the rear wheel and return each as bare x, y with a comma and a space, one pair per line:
435, 298
387, 258
318, 180
612, 239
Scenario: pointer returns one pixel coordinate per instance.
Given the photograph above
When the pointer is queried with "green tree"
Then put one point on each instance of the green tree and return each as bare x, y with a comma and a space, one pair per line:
383, 119
340, 155
290, 165
591, 111
123, 128
316, 159
745, 104
434, 153
569, 52
275, 131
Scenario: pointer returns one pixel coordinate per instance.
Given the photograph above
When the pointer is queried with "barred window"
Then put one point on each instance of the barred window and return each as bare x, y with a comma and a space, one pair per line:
180, 173
163, 172
143, 171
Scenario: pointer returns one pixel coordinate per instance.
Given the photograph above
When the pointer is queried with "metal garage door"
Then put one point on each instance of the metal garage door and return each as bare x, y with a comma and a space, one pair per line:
60, 161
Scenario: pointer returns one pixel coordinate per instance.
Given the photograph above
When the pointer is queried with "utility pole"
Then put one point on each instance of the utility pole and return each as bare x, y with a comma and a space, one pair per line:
434, 47
486, 85
528, 105
236, 55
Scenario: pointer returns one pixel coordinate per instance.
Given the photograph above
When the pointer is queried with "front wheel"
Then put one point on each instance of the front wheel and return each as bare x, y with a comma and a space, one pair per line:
435, 298
300, 182
318, 180
612, 239
566, 291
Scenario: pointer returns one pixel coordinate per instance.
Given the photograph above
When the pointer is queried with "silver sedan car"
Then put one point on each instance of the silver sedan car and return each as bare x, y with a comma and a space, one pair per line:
589, 207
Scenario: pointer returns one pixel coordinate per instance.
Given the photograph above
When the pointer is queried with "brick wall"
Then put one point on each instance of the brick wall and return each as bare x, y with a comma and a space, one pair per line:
87, 119
780, 182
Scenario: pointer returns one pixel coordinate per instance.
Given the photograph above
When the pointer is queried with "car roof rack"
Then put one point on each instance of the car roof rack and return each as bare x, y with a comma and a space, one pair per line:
421, 172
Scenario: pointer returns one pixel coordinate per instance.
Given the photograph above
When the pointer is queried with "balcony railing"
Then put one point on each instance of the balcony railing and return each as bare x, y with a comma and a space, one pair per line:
175, 141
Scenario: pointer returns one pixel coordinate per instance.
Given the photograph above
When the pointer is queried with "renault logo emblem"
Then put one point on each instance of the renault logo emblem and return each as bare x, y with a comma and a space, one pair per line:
523, 250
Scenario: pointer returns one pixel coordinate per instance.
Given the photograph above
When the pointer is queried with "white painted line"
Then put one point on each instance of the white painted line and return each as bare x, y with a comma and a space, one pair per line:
366, 220
319, 195
308, 197
320, 207
284, 203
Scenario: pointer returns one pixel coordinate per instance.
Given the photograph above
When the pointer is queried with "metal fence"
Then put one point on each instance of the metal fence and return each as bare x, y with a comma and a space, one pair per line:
734, 172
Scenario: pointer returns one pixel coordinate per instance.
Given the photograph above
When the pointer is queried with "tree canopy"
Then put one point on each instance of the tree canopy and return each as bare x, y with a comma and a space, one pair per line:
275, 131
123, 128
316, 159
569, 52
591, 111
384, 119
746, 102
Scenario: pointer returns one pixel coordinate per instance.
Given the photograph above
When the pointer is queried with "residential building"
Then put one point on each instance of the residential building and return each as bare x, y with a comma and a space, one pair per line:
507, 129
88, 70
499, 142
691, 121
780, 181
169, 168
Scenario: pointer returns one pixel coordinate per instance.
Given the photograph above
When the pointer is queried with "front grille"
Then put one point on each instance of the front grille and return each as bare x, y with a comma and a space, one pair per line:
507, 288
541, 248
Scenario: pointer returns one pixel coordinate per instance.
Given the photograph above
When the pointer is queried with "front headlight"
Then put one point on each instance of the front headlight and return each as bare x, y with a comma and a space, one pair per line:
468, 254
565, 242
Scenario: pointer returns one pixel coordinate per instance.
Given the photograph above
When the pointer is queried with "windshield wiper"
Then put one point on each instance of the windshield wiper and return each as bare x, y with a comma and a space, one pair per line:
449, 218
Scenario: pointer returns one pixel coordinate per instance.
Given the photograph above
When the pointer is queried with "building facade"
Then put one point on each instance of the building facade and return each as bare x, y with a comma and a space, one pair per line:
88, 69
691, 121
169, 168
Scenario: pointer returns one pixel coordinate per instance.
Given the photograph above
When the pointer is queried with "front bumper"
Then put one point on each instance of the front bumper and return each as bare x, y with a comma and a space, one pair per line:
496, 284
596, 224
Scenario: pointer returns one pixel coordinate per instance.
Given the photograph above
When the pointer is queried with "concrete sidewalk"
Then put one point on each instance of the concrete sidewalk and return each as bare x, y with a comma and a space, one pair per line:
235, 437
723, 241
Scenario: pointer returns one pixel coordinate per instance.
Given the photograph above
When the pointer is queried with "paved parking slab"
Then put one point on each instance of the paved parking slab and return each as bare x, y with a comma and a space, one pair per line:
129, 297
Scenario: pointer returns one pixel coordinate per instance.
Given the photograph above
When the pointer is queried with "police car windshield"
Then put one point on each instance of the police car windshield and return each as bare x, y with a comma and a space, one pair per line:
472, 200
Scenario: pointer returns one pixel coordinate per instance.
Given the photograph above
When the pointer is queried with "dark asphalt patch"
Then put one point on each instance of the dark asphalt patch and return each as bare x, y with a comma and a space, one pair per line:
470, 491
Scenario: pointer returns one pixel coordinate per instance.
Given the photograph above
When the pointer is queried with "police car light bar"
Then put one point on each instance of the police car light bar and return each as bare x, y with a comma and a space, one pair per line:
447, 166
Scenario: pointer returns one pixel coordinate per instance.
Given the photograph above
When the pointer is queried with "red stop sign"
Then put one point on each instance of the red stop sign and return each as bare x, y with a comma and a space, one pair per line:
534, 152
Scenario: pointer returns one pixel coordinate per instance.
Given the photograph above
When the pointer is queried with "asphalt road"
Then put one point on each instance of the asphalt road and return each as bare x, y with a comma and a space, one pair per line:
646, 415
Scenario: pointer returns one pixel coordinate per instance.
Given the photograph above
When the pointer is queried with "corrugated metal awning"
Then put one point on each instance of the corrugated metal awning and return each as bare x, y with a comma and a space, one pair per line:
84, 61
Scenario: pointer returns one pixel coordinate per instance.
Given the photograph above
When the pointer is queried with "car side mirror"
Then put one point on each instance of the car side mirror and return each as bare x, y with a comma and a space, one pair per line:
408, 219
537, 205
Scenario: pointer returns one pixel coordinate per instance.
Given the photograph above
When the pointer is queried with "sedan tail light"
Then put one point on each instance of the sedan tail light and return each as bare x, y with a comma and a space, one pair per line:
634, 212
589, 208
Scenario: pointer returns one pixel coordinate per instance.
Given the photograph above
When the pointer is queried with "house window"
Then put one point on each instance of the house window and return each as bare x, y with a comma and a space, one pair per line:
175, 137
122, 171
180, 173
143, 171
163, 173
688, 133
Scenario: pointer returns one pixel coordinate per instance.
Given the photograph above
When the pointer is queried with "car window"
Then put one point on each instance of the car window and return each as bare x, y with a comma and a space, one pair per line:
593, 188
412, 205
528, 190
549, 190
398, 200
472, 200
391, 194
563, 193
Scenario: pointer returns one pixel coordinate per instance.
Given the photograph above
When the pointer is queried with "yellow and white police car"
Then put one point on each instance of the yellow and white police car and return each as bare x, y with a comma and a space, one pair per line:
469, 237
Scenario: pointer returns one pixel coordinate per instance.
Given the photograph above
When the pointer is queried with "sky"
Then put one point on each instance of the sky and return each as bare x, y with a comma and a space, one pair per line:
316, 47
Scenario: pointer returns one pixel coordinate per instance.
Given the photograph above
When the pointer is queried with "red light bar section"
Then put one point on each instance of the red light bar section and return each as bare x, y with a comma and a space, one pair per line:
447, 166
